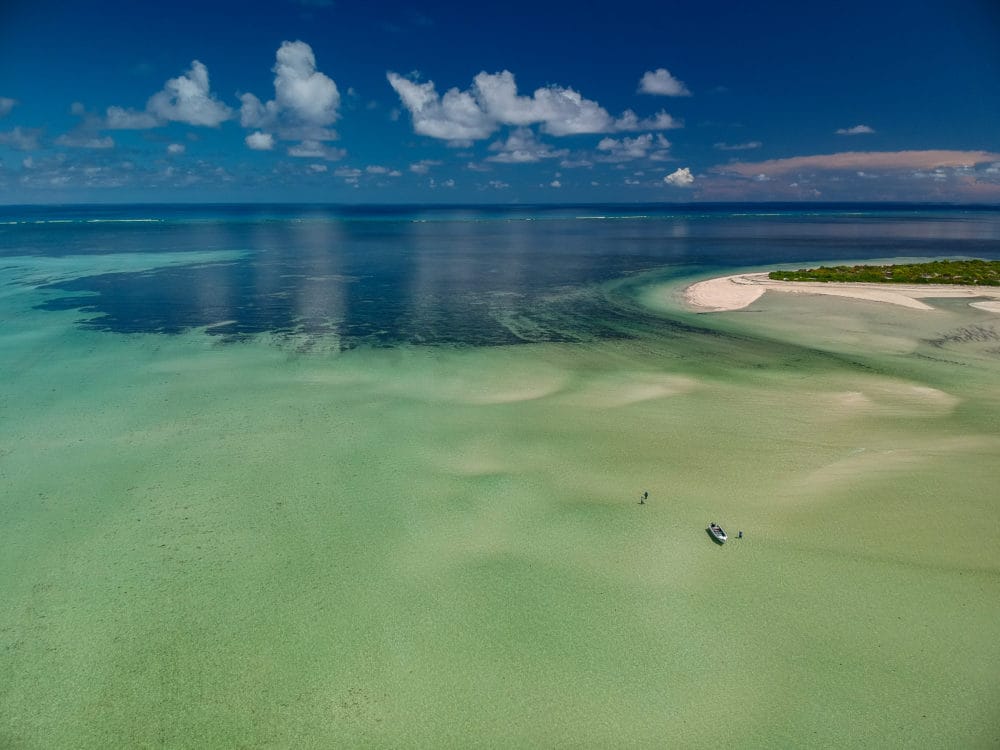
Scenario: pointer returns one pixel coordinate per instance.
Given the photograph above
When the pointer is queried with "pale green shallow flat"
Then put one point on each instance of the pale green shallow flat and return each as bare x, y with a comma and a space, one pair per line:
241, 546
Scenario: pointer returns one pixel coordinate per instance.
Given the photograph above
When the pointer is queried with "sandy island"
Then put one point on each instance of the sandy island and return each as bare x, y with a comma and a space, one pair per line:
737, 291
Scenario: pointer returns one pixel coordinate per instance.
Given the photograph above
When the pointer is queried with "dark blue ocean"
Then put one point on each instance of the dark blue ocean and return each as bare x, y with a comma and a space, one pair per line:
451, 275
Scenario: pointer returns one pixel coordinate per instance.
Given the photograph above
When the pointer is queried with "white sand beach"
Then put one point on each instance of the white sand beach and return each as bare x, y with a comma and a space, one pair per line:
740, 290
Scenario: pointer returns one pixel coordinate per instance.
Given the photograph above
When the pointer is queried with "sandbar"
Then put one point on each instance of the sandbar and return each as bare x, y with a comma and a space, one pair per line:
740, 290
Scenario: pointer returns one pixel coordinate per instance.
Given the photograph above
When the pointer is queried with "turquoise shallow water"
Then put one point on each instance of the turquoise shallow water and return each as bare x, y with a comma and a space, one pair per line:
305, 537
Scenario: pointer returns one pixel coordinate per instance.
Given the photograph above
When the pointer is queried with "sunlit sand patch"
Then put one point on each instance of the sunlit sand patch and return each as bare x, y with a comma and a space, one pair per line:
870, 295
629, 388
849, 402
740, 290
863, 465
989, 306
480, 384
890, 399
483, 391
868, 464
849, 335
504, 393
726, 293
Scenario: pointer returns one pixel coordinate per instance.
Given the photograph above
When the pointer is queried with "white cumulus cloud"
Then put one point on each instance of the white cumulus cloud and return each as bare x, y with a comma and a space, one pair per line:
640, 147
6, 105
452, 117
119, 118
682, 177
856, 130
188, 98
84, 139
260, 141
23, 139
378, 169
522, 147
575, 163
661, 83
423, 166
87, 132
316, 150
176, 148
349, 175
562, 111
306, 101
629, 121
493, 100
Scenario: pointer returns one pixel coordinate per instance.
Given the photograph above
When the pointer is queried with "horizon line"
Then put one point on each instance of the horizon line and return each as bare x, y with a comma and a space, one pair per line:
509, 205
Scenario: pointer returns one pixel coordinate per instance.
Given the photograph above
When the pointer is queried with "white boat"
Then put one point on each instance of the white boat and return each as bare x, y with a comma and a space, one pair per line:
717, 533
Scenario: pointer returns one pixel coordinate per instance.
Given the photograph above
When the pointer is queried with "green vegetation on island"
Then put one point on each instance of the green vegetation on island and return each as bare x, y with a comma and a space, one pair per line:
965, 272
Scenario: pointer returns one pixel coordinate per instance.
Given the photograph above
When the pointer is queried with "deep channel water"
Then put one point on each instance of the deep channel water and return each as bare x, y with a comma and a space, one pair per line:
314, 477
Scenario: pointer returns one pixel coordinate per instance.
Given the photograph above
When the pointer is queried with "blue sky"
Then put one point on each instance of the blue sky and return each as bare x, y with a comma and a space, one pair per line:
337, 101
